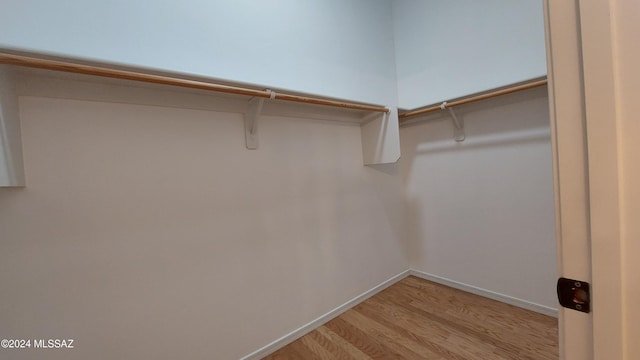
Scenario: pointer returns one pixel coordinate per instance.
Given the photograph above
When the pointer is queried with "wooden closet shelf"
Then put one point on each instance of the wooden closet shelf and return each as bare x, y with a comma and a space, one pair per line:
57, 65
379, 129
473, 98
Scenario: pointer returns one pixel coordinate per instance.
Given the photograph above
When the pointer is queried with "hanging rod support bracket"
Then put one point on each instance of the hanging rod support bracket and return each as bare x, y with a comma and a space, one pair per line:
458, 123
251, 119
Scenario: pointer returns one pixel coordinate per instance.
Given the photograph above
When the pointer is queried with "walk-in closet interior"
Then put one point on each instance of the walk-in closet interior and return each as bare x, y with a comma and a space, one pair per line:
216, 179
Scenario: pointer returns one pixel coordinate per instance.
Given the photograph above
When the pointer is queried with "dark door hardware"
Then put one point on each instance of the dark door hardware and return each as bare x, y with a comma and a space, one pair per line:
574, 294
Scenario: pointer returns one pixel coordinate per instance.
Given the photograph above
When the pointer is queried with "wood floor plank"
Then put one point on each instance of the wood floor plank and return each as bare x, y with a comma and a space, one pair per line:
419, 319
353, 351
294, 351
363, 341
448, 342
407, 346
500, 321
302, 349
483, 308
458, 326
322, 352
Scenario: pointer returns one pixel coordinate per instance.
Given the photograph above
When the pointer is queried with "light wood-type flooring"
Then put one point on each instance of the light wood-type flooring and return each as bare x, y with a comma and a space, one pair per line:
419, 319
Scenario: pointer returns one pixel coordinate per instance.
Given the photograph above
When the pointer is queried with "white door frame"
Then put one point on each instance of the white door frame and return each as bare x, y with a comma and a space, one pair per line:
604, 177
580, 54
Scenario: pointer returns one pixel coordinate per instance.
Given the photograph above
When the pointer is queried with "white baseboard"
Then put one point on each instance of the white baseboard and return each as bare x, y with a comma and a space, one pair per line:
305, 329
542, 309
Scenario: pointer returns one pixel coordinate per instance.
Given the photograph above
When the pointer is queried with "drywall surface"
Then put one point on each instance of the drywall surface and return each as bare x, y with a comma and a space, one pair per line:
481, 212
150, 232
627, 56
449, 49
336, 48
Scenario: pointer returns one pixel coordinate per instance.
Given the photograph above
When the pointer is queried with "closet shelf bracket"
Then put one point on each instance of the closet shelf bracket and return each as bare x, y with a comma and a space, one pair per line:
380, 134
251, 120
458, 123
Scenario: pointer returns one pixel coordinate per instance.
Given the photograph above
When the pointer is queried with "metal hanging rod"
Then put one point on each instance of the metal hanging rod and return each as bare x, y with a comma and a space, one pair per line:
473, 98
34, 62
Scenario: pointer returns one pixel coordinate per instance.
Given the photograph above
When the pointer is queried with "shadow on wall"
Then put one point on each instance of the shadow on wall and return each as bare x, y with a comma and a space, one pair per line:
501, 121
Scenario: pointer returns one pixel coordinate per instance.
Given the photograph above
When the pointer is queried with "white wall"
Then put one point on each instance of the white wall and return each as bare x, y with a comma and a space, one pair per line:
449, 49
336, 48
150, 232
627, 56
481, 212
